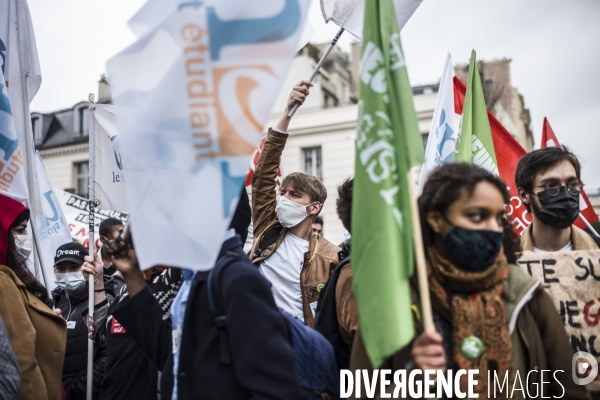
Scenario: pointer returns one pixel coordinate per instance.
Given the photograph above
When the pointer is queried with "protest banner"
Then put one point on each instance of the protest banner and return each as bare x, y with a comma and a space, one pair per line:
572, 279
109, 177
76, 211
193, 94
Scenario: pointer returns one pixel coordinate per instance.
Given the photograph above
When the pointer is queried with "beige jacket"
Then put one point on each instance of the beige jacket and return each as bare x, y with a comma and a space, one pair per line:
579, 239
38, 337
322, 256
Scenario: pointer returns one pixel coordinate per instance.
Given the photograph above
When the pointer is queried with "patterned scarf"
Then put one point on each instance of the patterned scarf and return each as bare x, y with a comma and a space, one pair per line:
473, 303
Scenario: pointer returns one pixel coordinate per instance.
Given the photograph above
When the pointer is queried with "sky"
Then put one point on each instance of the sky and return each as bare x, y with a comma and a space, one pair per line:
554, 46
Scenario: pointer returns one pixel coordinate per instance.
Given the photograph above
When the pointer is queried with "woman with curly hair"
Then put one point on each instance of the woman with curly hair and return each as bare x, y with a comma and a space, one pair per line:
489, 314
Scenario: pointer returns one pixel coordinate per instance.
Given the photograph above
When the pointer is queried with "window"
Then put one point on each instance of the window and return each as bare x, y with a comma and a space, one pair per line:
81, 179
36, 126
83, 121
312, 161
489, 84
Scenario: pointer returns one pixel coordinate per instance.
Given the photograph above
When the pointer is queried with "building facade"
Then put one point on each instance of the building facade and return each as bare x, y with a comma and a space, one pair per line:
322, 133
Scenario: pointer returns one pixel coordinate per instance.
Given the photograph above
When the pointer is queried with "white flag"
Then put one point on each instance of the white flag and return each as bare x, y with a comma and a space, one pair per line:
110, 180
52, 226
21, 69
193, 95
443, 133
350, 14
12, 173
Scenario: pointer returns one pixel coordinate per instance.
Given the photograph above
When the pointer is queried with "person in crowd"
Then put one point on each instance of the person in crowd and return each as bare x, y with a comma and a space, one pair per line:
549, 184
337, 313
489, 314
110, 229
128, 372
188, 348
72, 267
10, 379
317, 225
38, 336
290, 255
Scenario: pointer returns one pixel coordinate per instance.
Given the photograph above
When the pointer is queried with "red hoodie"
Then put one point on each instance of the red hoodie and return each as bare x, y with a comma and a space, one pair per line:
10, 210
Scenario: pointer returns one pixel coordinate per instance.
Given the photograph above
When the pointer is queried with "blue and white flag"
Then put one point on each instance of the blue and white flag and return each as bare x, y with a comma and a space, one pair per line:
443, 133
12, 173
52, 226
110, 179
193, 94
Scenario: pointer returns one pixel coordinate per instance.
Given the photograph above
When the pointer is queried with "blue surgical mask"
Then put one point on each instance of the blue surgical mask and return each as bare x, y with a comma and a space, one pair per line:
475, 250
69, 281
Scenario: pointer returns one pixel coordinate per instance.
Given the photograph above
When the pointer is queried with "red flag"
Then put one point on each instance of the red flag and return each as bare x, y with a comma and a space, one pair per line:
508, 153
549, 140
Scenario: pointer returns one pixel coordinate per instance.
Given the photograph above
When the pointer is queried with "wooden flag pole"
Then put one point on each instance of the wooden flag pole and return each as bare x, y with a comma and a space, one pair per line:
421, 263
589, 226
318, 67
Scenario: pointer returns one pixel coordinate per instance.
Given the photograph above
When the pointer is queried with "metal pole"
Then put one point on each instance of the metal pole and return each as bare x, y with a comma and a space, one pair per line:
33, 200
590, 227
318, 67
92, 206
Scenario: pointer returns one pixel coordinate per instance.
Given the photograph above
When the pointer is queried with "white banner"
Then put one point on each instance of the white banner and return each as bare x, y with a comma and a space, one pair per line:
350, 14
52, 226
443, 133
193, 95
110, 180
21, 66
76, 211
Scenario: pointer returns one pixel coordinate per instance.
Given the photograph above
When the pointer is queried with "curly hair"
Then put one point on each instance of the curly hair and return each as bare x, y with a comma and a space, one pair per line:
343, 204
446, 184
17, 262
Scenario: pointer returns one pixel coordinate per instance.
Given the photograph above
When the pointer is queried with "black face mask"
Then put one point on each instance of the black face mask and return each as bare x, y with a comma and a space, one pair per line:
475, 250
558, 211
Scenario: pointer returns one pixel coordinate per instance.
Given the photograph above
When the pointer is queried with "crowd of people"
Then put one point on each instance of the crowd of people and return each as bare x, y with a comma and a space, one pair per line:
241, 329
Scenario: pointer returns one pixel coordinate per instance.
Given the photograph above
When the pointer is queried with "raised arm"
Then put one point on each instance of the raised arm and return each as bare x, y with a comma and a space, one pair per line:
265, 173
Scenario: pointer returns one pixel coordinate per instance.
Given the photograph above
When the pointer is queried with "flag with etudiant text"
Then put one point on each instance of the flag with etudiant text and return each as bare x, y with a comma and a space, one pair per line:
193, 94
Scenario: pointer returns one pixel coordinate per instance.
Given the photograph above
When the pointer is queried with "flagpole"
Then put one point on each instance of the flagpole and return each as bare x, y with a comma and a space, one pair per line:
92, 206
33, 200
589, 226
421, 264
318, 67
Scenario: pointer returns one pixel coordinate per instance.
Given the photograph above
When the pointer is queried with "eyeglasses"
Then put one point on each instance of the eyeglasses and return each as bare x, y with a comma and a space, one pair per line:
553, 188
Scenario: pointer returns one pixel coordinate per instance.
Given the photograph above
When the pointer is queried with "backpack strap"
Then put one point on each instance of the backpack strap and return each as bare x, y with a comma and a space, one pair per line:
268, 239
215, 302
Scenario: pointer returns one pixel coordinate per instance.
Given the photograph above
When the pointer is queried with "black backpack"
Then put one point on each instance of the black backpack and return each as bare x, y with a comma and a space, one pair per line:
317, 372
326, 320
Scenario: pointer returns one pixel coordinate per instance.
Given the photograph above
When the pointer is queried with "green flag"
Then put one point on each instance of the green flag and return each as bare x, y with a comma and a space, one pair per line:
475, 144
388, 144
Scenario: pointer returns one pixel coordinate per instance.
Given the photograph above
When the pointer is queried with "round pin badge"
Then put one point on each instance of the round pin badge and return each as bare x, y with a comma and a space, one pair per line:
471, 347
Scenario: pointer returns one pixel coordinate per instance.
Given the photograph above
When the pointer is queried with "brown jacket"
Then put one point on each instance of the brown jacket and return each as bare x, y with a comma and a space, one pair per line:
347, 310
38, 337
322, 256
538, 336
579, 239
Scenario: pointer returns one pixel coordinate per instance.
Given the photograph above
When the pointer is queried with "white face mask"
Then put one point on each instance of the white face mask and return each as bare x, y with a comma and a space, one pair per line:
69, 281
24, 244
290, 213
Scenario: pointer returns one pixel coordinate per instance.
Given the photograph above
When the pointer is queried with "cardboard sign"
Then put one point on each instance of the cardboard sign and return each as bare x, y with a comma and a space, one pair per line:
572, 279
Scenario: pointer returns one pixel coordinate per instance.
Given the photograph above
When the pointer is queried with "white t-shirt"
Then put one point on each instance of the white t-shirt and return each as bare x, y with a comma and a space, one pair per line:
568, 247
283, 270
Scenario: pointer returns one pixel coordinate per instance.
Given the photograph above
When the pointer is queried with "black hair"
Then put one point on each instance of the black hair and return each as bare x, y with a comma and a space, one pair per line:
107, 225
18, 263
318, 220
343, 204
540, 161
445, 186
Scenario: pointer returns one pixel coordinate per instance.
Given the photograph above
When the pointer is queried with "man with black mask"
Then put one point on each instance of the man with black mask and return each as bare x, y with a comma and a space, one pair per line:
549, 184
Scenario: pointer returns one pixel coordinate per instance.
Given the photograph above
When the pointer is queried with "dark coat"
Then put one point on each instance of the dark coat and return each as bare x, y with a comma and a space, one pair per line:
263, 364
75, 310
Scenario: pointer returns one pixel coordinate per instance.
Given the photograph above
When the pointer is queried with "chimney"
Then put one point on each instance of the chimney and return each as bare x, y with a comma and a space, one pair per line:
104, 96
